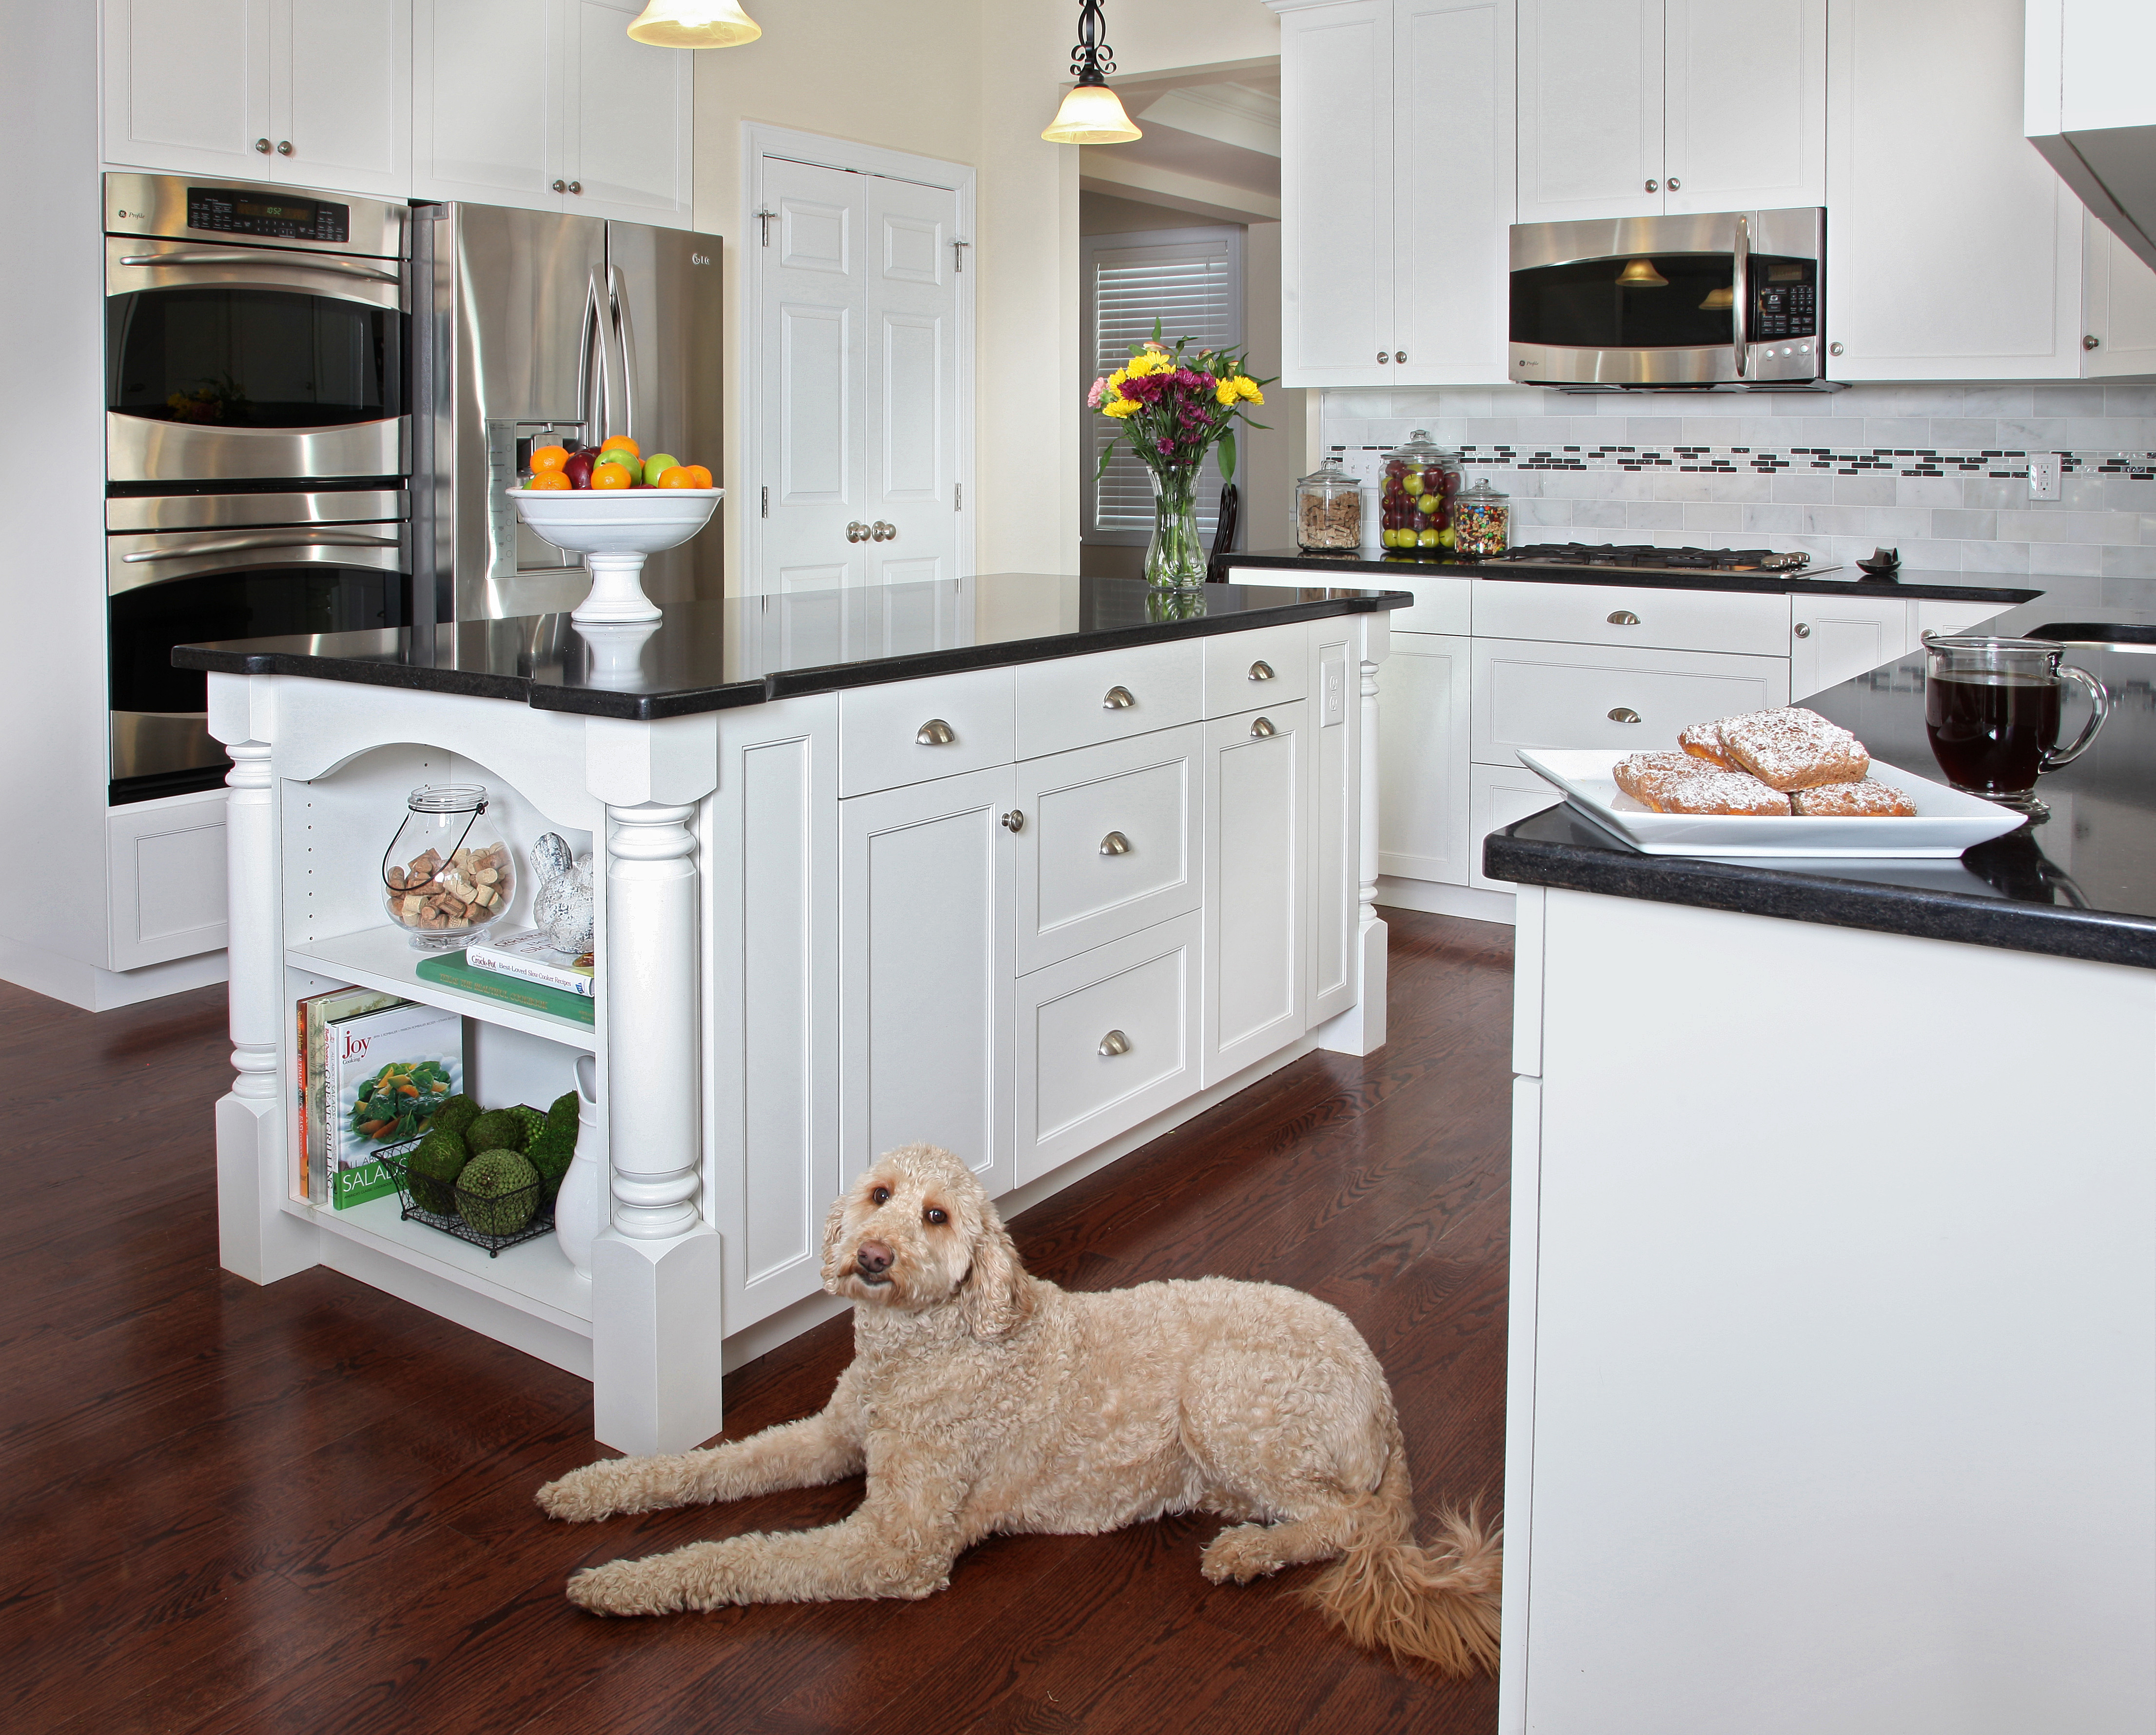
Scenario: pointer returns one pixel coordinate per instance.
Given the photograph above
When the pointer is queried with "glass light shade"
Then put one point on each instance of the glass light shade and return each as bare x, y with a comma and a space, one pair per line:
1718, 299
1092, 114
1641, 273
695, 24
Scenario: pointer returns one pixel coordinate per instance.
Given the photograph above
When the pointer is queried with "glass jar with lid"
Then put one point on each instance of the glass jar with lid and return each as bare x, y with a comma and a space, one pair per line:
447, 876
1481, 523
1328, 509
1415, 498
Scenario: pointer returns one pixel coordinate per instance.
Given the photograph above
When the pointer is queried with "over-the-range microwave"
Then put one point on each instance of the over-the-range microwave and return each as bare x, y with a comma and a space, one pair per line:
1729, 300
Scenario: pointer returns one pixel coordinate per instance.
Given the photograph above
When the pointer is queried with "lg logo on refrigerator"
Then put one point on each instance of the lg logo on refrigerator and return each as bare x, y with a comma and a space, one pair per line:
698, 258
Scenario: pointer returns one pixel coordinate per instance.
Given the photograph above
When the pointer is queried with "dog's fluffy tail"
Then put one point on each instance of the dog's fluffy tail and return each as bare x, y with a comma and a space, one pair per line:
1438, 1603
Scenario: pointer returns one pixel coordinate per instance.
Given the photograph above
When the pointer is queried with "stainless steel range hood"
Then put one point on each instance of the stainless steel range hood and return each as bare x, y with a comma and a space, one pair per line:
2090, 108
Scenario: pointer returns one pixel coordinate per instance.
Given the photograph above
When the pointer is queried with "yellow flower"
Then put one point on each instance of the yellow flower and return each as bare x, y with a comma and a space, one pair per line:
1227, 393
1119, 408
1151, 360
1246, 387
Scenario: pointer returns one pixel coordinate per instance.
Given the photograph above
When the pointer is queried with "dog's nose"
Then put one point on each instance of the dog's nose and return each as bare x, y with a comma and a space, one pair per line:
873, 1258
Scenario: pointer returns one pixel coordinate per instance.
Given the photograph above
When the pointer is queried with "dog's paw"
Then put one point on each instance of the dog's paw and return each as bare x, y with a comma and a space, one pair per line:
598, 1490
1238, 1555
626, 1587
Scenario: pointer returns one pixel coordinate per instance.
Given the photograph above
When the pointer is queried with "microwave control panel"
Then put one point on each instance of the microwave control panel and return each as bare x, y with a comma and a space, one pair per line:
1784, 300
223, 211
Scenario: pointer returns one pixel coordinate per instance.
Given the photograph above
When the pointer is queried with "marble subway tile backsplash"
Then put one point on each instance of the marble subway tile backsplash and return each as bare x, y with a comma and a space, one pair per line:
1939, 471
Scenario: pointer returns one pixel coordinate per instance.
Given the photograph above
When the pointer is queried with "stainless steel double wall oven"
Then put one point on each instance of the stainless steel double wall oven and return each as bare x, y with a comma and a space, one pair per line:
258, 440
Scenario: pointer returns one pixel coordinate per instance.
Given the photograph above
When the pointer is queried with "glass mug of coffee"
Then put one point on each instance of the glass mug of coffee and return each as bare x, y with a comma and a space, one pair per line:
1991, 709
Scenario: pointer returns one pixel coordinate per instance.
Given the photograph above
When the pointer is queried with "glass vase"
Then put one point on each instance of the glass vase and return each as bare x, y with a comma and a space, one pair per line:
1176, 554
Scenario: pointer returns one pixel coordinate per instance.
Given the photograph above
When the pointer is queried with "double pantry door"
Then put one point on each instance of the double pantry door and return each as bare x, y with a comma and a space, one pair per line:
859, 412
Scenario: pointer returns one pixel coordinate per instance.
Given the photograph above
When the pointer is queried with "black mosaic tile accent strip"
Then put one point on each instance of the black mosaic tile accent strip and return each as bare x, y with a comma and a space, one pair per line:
1815, 460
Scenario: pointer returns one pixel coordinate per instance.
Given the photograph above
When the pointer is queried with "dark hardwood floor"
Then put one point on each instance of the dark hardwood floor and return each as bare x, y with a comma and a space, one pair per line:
308, 1507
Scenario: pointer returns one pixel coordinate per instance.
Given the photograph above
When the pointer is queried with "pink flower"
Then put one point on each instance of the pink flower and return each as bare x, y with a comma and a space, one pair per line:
1093, 397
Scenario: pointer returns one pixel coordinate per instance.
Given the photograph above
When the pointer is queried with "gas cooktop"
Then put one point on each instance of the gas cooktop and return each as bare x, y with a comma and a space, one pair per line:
1638, 558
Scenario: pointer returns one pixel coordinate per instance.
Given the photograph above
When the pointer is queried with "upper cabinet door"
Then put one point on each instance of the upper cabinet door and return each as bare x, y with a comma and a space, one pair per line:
340, 96
1336, 205
1591, 95
485, 124
626, 118
1746, 114
187, 86
2119, 307
1454, 189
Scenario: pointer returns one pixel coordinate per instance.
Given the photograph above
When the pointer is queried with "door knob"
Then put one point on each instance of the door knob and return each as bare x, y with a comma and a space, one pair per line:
575, 187
1399, 355
2092, 341
262, 145
1802, 629
1263, 727
1113, 1044
1117, 699
884, 532
1654, 186
1624, 714
1261, 670
1834, 349
1115, 843
1673, 184
934, 733
1623, 618
1382, 358
284, 147
1014, 820
857, 532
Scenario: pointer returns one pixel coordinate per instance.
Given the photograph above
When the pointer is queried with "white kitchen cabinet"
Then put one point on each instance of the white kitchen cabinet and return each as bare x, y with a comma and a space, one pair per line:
2119, 307
926, 881
1497, 796
1256, 898
1527, 694
167, 876
1422, 811
316, 93
1935, 615
1397, 190
550, 106
1335, 719
1636, 107
1834, 638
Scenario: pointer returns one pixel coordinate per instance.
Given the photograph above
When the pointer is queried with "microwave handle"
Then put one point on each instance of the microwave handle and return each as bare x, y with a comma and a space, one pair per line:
1741, 293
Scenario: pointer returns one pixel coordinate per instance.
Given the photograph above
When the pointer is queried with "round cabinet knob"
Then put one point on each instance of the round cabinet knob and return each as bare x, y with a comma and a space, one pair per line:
1261, 670
1673, 184
1113, 1044
1802, 629
284, 147
1117, 699
1834, 349
934, 733
1263, 727
2092, 341
262, 145
1654, 186
1623, 618
1014, 820
561, 186
575, 187
1624, 714
1115, 843
1382, 358
1399, 355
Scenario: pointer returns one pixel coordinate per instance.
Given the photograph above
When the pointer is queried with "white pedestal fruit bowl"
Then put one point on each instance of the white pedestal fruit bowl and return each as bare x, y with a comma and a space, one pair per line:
615, 529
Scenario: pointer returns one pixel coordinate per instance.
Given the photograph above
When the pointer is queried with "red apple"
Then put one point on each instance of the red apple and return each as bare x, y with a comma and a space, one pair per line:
578, 470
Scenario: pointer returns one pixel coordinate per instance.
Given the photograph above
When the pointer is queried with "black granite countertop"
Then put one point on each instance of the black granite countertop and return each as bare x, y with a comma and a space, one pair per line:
2079, 884
712, 656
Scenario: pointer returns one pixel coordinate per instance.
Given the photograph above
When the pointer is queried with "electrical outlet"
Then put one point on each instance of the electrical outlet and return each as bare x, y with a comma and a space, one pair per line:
2043, 475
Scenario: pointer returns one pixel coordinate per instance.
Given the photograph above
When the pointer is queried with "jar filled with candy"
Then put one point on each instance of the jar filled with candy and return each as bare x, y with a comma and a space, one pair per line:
1415, 498
1481, 523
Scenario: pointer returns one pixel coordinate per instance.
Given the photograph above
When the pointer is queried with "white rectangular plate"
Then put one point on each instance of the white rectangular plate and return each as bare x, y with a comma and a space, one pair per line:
1947, 822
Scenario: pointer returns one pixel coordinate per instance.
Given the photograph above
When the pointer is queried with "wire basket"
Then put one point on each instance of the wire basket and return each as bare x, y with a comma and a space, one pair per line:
502, 1207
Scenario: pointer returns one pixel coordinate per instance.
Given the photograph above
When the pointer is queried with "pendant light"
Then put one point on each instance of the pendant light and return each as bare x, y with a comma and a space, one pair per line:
1641, 273
695, 24
1719, 300
1092, 113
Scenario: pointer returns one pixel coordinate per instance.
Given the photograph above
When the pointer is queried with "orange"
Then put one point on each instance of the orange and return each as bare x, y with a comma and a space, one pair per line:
547, 480
680, 476
620, 443
702, 475
610, 475
548, 458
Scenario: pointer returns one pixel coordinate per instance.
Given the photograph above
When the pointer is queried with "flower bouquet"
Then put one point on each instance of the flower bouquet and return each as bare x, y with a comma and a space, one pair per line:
1174, 407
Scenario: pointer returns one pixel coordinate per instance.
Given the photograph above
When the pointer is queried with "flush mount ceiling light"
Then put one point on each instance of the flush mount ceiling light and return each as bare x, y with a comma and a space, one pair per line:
1092, 113
1641, 273
695, 24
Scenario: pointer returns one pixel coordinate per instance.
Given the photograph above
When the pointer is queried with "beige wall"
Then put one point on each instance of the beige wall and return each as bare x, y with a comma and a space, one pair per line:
1152, 36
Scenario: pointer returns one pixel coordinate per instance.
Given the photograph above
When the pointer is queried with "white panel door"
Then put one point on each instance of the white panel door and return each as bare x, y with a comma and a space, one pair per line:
341, 94
812, 439
1591, 96
626, 118
1746, 114
1256, 956
487, 107
926, 983
1453, 104
1423, 759
1336, 154
2119, 304
912, 410
187, 84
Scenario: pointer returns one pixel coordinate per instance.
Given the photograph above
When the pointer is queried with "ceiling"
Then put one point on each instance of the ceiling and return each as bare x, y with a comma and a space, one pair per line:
1211, 143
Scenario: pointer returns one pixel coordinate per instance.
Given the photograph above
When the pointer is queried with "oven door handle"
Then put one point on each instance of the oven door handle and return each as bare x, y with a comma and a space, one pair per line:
1741, 294
334, 268
274, 539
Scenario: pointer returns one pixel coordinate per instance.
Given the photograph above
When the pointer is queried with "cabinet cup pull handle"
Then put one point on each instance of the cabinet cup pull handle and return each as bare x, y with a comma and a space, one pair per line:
1117, 699
934, 733
1261, 670
1113, 1044
1014, 820
1802, 629
1115, 843
1623, 618
1624, 714
1263, 727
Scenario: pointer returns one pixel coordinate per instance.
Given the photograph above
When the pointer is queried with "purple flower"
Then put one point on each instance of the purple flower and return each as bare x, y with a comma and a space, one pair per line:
1167, 447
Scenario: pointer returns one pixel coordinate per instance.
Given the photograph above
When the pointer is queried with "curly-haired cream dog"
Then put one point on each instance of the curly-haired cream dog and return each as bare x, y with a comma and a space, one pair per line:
982, 1400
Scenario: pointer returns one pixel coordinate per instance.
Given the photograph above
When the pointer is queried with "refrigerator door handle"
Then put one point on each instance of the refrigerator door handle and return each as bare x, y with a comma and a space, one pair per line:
618, 309
590, 339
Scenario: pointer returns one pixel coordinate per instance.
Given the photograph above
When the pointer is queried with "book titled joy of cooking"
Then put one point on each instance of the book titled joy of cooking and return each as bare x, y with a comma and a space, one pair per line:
384, 1074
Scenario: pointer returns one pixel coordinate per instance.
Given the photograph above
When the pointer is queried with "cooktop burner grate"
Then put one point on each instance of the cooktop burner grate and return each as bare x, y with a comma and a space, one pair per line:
1642, 557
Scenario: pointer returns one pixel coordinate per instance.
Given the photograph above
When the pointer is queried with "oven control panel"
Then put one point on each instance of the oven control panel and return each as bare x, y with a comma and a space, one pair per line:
226, 211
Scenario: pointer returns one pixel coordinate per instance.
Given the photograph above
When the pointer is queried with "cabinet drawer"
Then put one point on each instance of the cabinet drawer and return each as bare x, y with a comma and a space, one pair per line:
1269, 666
1577, 695
1441, 605
1106, 1039
881, 729
1076, 701
1743, 623
1110, 843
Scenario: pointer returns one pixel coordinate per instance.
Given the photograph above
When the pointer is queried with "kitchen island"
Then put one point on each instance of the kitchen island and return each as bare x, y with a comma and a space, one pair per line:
1031, 867
1832, 1401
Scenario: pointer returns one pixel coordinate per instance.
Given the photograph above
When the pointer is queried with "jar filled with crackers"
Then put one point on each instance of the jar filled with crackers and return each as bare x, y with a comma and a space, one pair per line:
1328, 511
447, 876
1481, 523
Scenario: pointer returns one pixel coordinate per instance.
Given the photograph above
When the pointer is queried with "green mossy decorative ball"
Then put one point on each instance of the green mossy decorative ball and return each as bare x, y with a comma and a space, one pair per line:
499, 1129
497, 1193
432, 1170
534, 1123
456, 1113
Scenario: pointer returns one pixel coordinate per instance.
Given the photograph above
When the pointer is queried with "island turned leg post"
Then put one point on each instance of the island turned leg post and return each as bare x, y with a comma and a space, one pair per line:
1361, 1029
655, 1271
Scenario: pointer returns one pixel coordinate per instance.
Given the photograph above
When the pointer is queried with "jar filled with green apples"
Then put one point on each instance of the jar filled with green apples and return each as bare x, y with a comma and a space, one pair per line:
1414, 497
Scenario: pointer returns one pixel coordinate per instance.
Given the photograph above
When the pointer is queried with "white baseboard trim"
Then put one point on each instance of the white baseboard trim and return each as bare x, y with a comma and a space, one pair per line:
1468, 901
96, 989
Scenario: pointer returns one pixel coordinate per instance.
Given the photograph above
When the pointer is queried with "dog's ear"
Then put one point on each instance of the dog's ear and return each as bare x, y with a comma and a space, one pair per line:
834, 1224
997, 1293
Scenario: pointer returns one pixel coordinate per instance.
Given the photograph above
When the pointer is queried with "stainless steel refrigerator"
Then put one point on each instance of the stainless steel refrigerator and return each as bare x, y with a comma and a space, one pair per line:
529, 329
